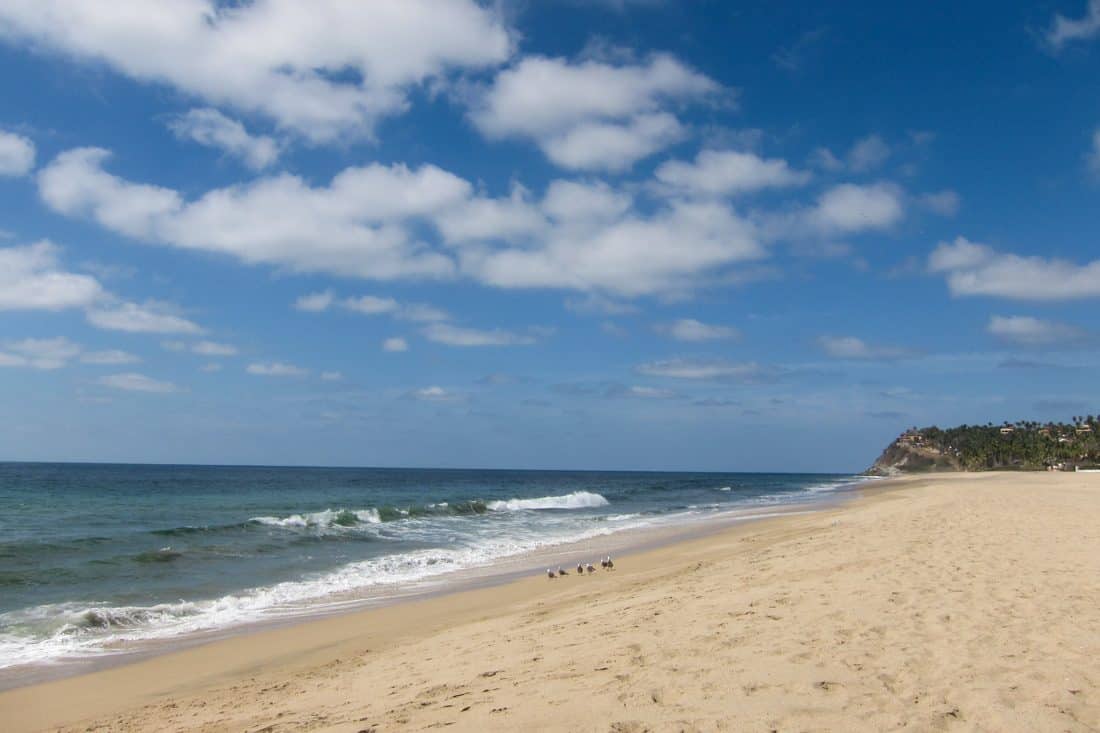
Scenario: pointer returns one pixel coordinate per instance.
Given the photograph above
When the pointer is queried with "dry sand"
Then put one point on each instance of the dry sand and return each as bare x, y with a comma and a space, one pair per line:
963, 602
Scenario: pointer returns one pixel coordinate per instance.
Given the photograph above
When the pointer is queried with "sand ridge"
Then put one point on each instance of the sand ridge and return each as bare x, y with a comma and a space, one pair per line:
961, 602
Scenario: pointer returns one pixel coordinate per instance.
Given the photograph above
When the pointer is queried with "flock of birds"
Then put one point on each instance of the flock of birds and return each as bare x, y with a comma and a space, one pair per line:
606, 564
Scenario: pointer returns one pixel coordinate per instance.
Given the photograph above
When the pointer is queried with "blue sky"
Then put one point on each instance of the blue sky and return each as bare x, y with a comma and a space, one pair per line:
542, 234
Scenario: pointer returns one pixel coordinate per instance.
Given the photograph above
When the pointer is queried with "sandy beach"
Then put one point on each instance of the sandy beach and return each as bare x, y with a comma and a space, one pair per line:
968, 602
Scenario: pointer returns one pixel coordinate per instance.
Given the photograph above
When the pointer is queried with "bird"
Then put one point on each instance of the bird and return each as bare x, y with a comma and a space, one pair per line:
610, 565
591, 568
603, 563
580, 569
562, 571
550, 574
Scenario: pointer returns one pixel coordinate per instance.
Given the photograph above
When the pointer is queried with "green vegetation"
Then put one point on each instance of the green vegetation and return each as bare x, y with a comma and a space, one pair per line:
1024, 446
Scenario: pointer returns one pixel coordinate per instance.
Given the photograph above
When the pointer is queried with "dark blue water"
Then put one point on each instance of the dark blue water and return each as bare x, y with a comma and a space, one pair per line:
95, 555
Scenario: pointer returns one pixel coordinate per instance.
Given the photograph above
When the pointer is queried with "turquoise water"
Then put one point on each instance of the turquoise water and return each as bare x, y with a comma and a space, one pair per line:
95, 557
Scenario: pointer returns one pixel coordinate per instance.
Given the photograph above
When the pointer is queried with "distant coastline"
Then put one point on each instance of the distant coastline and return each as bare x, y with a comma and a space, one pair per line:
1019, 446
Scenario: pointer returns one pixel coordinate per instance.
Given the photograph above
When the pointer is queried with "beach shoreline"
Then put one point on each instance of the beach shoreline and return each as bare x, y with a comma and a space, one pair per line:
664, 531
802, 621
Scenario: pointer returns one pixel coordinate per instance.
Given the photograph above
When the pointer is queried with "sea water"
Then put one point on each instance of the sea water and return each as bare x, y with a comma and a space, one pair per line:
97, 559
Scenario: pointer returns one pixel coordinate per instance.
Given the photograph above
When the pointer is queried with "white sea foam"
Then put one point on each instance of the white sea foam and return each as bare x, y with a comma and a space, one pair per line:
575, 500
323, 519
72, 630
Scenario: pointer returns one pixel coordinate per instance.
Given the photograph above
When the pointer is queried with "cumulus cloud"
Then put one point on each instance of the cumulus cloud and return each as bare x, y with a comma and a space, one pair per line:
589, 115
972, 268
1029, 331
140, 318
689, 329
395, 344
16, 154
351, 227
287, 61
850, 347
134, 382
371, 222
211, 128
613, 146
276, 369
1064, 30
31, 279
849, 208
452, 335
707, 370
726, 172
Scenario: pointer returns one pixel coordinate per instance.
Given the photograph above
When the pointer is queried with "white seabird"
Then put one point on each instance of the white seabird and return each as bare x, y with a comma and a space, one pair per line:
550, 574
580, 569
610, 565
562, 571
591, 568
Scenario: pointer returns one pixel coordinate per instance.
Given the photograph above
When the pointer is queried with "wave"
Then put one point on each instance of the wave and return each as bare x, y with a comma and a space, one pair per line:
575, 500
326, 518
66, 630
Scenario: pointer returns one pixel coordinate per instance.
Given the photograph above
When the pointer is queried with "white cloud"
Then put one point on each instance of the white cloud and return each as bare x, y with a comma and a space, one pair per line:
689, 329
370, 304
137, 318
276, 369
211, 128
353, 227
52, 353
850, 347
285, 60
716, 370
370, 222
977, 269
435, 394
314, 302
631, 256
1028, 331
613, 146
1063, 29
451, 335
111, 356
849, 208
134, 382
212, 348
591, 114
30, 279
726, 172
868, 153
331, 376
944, 203
16, 154
395, 344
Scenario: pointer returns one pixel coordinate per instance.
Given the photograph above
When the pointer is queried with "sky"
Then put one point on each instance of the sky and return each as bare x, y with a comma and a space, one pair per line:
542, 234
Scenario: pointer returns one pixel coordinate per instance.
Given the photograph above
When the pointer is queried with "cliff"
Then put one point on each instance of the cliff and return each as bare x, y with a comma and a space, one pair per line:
1020, 446
903, 457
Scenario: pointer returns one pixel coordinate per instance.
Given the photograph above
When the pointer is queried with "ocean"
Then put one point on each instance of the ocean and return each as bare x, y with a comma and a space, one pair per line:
98, 560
